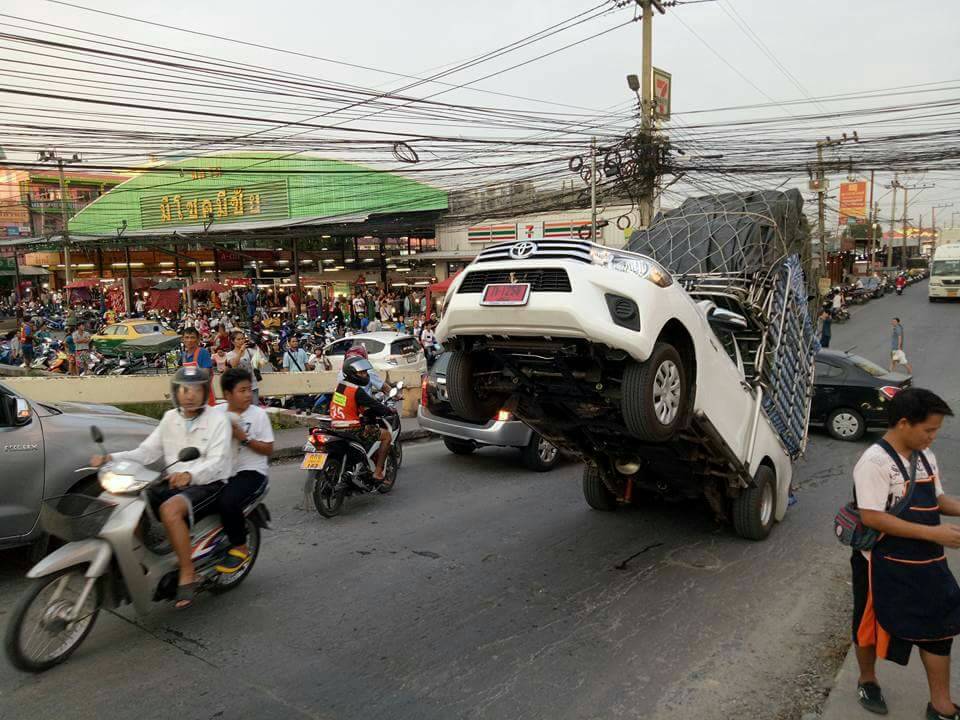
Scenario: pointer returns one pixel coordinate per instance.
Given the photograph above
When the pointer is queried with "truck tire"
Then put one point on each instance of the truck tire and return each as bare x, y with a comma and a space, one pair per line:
539, 454
461, 392
655, 395
459, 447
753, 511
597, 495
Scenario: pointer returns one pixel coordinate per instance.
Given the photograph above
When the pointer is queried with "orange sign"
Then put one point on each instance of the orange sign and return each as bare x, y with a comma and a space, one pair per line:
853, 201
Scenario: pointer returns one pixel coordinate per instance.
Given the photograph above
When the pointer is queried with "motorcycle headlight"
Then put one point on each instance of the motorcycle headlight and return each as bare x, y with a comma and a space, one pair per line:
120, 484
630, 263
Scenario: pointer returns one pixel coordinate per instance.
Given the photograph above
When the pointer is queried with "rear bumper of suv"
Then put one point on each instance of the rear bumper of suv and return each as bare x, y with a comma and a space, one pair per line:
511, 433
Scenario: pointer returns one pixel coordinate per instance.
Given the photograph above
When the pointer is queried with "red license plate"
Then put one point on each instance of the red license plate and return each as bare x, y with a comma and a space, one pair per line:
506, 294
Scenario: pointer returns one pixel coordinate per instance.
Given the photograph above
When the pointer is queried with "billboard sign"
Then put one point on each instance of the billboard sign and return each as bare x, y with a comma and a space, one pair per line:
662, 90
853, 201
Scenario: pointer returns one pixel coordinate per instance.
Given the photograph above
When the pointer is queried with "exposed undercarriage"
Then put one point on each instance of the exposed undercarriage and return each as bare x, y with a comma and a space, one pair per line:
570, 391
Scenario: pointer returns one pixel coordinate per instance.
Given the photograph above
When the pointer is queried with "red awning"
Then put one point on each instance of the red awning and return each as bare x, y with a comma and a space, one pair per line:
208, 286
82, 283
444, 285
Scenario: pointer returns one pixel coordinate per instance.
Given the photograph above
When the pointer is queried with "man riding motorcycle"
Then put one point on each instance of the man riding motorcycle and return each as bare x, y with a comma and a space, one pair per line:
194, 490
351, 404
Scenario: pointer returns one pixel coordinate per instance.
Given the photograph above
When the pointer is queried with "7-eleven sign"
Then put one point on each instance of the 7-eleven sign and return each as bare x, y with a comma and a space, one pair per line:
662, 87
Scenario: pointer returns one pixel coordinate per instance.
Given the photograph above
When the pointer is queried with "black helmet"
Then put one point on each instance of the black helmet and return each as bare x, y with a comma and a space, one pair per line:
190, 376
356, 370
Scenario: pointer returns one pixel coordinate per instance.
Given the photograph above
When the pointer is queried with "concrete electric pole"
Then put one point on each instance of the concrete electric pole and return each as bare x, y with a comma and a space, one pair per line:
893, 217
934, 221
906, 204
52, 156
821, 195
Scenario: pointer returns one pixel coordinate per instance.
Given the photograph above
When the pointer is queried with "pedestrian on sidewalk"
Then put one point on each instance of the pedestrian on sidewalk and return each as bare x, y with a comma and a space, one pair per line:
903, 591
826, 322
897, 356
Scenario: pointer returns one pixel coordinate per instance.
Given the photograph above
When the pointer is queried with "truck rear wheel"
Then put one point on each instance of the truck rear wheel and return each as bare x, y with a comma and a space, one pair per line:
655, 395
462, 393
753, 511
597, 495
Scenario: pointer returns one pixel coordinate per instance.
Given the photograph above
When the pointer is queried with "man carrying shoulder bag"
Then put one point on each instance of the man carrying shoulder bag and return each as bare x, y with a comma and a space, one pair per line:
903, 591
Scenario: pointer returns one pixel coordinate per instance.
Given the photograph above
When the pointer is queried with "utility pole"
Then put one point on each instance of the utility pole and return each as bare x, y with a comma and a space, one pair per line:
935, 208
872, 219
874, 224
593, 189
647, 125
906, 204
52, 156
822, 193
893, 216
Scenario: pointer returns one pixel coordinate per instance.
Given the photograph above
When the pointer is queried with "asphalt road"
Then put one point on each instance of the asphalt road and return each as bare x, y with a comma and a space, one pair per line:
480, 590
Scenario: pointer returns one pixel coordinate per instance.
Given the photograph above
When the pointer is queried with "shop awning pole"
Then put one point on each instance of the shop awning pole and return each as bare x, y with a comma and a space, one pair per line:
296, 272
128, 285
16, 272
216, 264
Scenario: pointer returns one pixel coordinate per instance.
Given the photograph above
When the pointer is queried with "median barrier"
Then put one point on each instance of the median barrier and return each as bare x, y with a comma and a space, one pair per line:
125, 389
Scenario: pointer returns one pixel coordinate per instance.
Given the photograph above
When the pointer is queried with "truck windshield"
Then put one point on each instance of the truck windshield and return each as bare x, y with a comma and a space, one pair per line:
946, 267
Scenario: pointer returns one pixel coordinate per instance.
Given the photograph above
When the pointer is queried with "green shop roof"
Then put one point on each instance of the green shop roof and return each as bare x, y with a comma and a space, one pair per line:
251, 190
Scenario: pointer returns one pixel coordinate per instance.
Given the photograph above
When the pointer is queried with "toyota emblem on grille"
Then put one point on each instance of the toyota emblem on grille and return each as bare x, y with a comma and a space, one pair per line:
523, 250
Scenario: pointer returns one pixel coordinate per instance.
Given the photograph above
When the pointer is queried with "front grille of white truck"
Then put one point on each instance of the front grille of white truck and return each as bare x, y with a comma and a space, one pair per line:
540, 279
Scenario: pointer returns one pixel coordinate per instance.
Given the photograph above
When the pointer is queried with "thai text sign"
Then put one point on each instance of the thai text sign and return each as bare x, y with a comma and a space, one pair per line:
240, 203
853, 201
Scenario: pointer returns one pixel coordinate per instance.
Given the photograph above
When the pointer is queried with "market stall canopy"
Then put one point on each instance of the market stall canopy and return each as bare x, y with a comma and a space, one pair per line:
443, 285
86, 283
220, 193
25, 271
208, 286
169, 285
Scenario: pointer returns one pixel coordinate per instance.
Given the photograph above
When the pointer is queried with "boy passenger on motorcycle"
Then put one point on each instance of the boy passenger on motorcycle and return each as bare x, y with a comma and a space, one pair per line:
351, 402
252, 447
193, 491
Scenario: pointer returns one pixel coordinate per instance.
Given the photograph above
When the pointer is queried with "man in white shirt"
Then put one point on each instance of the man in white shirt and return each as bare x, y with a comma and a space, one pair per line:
252, 447
192, 491
903, 592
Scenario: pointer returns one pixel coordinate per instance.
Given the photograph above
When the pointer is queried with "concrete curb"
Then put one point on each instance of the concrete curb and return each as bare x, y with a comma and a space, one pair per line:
406, 436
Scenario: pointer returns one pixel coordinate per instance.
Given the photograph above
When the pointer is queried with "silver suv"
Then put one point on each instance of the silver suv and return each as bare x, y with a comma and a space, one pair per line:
43, 445
462, 437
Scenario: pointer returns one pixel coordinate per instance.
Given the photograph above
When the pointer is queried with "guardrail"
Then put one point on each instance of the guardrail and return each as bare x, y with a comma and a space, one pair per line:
122, 389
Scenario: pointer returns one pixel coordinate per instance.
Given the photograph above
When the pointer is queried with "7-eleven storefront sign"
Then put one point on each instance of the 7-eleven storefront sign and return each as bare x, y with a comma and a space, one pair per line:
492, 233
567, 230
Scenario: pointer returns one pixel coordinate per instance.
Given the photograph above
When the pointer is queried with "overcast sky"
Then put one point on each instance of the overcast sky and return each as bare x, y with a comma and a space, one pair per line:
830, 47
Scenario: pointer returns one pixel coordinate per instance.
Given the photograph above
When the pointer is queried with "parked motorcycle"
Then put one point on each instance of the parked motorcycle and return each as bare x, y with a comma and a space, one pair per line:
116, 552
338, 466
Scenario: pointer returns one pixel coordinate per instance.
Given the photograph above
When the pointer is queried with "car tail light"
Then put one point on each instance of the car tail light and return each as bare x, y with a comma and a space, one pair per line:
503, 416
887, 392
423, 391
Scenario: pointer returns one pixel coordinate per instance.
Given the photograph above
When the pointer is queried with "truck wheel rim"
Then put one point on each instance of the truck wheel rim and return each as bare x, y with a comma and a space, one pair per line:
546, 451
766, 505
666, 392
845, 425
44, 633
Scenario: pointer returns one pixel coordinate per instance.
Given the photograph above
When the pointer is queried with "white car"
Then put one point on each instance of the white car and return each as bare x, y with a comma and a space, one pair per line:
605, 354
386, 351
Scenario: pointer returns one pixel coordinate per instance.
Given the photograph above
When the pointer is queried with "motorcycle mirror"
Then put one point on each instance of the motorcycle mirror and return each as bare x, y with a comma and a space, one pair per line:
96, 434
188, 454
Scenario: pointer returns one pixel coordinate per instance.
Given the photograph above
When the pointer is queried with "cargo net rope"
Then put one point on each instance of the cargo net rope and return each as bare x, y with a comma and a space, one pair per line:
749, 253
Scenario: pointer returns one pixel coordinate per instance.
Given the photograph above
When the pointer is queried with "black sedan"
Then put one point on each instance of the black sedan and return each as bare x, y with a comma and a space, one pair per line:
850, 394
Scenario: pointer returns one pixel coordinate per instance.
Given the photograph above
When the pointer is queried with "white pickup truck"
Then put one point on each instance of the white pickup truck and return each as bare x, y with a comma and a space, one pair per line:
606, 354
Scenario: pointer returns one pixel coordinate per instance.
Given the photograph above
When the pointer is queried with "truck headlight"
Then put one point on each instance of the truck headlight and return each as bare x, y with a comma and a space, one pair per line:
117, 484
631, 263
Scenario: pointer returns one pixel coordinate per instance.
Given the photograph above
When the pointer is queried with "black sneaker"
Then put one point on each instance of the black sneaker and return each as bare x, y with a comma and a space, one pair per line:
933, 714
871, 698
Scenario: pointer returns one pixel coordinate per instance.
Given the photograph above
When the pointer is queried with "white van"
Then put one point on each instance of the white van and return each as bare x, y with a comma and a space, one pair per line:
945, 273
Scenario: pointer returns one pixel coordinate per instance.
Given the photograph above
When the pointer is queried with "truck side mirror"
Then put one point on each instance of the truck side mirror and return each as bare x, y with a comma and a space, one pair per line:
728, 319
21, 412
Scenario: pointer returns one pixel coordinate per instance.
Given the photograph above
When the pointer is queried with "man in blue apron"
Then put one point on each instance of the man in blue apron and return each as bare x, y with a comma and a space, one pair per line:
904, 594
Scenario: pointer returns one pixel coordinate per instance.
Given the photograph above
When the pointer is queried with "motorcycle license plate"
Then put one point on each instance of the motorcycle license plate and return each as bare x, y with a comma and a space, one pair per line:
506, 294
313, 461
